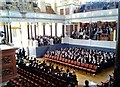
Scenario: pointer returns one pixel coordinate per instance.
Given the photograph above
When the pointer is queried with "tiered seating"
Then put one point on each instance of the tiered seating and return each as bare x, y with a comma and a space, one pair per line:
51, 79
95, 31
35, 78
89, 60
93, 6
53, 76
81, 66
108, 83
21, 82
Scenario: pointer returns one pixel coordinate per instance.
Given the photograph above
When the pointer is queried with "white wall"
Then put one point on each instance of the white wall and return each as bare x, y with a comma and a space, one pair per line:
94, 43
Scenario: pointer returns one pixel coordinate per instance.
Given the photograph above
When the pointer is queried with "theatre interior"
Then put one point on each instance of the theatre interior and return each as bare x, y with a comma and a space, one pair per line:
59, 43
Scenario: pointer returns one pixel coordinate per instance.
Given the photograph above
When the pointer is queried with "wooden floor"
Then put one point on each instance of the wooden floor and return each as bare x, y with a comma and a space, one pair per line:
82, 76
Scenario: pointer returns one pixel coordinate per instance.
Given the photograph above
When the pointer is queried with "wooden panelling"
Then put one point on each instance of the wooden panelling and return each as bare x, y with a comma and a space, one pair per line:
8, 61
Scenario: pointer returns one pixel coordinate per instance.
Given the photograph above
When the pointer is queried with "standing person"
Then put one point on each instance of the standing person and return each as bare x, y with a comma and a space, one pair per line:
23, 52
20, 53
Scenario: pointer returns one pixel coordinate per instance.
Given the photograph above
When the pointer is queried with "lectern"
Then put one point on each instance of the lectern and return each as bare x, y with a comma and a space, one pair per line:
8, 69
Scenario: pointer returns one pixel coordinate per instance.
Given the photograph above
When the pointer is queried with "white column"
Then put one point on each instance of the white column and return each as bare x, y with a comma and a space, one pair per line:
24, 33
59, 29
37, 30
40, 28
47, 30
16, 34
33, 31
64, 10
71, 9
53, 29
114, 35
78, 26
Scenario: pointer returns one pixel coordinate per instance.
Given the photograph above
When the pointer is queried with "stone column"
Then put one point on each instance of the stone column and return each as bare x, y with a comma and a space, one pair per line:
7, 33
43, 29
51, 29
56, 29
63, 33
35, 27
114, 35
10, 33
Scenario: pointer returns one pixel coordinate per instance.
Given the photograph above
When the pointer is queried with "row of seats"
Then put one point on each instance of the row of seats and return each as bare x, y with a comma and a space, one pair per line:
49, 78
21, 81
45, 71
82, 66
37, 79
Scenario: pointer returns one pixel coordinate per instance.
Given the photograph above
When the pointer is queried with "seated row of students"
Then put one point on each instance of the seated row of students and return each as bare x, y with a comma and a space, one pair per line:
66, 75
48, 40
85, 55
94, 31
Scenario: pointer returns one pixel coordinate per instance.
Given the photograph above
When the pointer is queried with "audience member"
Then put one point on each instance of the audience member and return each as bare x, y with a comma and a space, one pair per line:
67, 76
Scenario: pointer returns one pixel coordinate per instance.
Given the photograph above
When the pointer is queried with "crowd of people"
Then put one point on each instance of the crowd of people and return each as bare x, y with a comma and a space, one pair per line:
95, 31
20, 53
48, 40
93, 6
30, 63
83, 55
97, 57
67, 76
